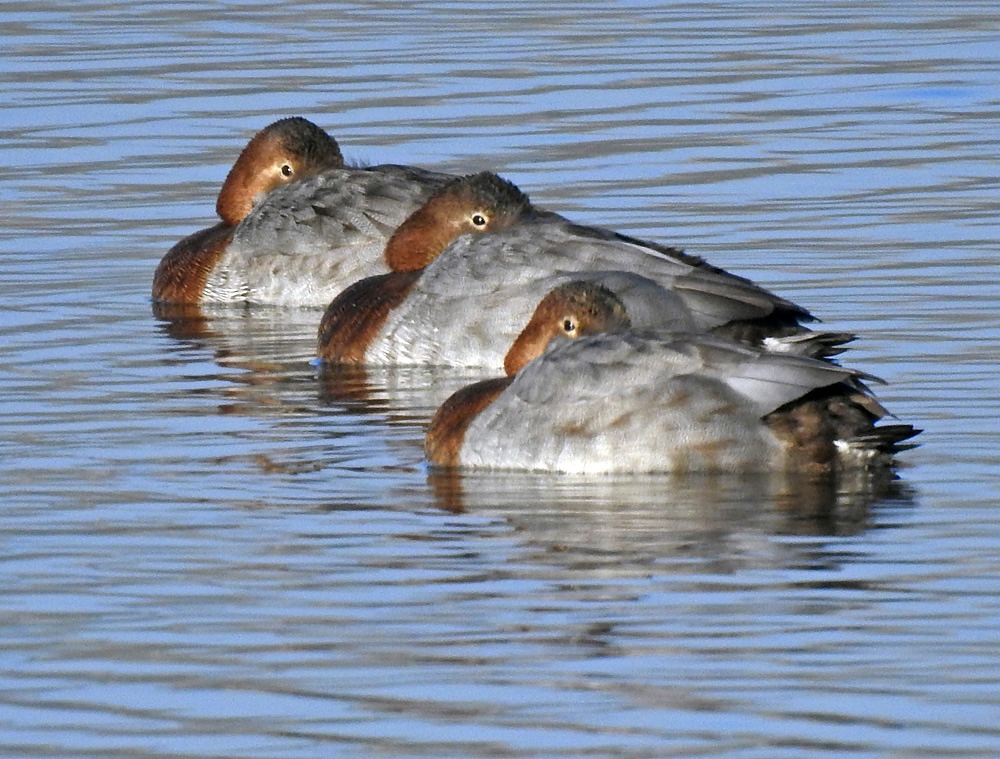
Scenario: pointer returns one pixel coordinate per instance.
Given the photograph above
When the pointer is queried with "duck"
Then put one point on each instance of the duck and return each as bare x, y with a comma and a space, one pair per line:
587, 393
459, 293
296, 224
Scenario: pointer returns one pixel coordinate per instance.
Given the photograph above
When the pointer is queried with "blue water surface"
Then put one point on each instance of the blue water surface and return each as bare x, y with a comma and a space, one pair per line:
210, 549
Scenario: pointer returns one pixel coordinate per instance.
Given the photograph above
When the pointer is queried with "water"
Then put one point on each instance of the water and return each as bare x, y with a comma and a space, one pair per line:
209, 550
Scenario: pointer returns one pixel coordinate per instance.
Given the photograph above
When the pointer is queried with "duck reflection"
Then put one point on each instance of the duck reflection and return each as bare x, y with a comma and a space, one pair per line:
240, 333
401, 394
264, 353
273, 342
633, 522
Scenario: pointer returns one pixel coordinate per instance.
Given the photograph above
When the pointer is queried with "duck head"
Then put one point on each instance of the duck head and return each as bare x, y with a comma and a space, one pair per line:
473, 204
572, 310
285, 150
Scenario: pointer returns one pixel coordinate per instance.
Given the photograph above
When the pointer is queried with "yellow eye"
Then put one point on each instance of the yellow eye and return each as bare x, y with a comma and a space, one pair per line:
287, 170
478, 220
569, 326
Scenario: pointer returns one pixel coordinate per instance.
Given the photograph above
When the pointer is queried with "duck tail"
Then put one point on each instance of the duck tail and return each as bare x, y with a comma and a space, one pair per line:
886, 439
811, 344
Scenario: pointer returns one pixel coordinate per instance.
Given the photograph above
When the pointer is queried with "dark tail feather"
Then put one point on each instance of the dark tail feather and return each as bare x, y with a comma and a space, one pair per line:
811, 344
887, 438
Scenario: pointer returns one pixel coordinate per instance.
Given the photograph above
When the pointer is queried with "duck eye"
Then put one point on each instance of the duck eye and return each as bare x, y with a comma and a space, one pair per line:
287, 170
569, 326
478, 220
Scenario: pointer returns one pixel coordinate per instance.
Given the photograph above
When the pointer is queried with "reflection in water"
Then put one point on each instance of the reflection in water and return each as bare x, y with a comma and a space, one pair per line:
404, 394
183, 321
637, 521
271, 345
241, 332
